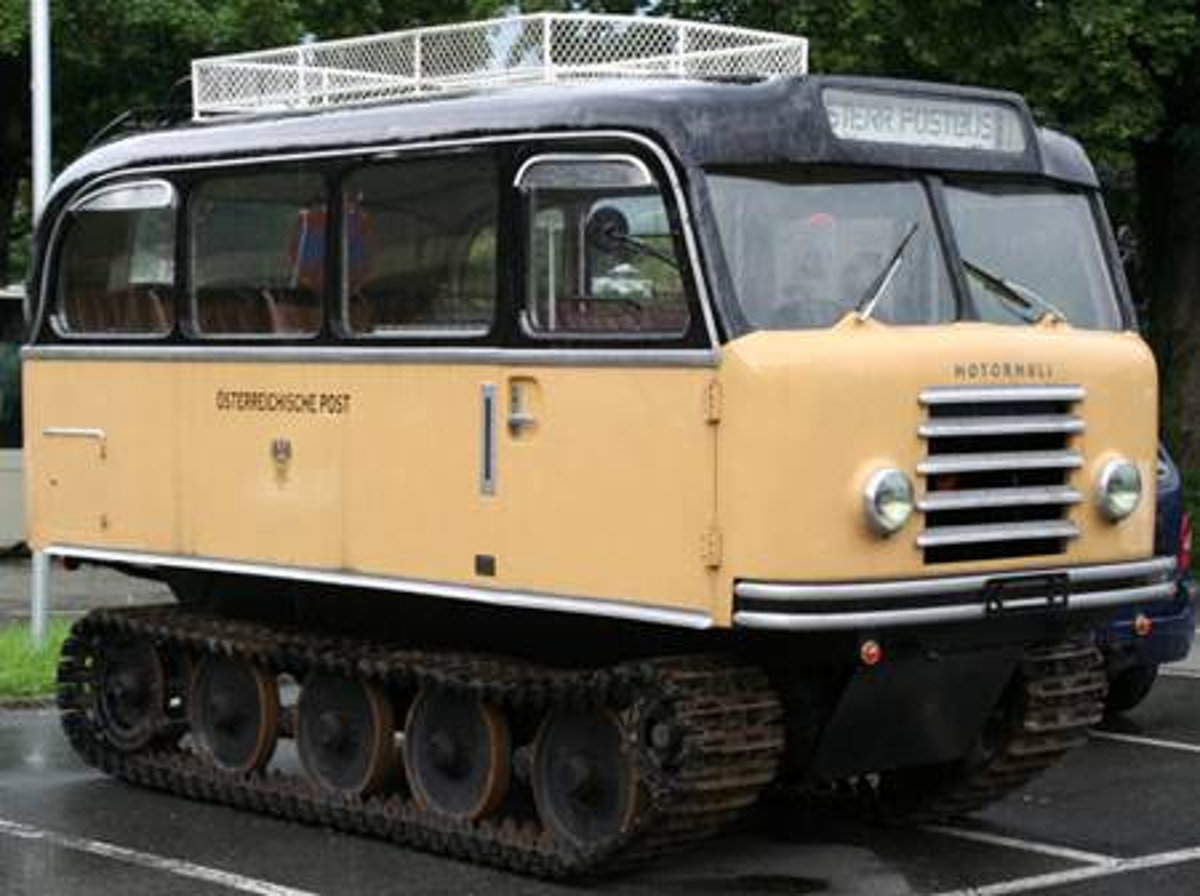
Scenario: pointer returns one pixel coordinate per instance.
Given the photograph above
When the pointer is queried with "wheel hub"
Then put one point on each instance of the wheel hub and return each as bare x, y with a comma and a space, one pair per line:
333, 732
579, 779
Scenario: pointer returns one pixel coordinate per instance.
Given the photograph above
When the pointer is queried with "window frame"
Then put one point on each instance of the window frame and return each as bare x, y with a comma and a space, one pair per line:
344, 333
694, 334
190, 324
60, 238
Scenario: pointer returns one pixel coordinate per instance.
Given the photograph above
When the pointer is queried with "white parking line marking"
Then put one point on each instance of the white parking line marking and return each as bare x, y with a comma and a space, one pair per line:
1077, 875
1138, 741
1181, 672
1045, 849
149, 860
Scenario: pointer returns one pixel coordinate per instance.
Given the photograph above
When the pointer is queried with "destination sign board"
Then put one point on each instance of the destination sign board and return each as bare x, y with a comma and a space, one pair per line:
873, 117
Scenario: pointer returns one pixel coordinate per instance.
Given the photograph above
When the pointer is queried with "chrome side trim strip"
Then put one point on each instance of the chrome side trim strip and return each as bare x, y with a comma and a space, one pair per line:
551, 157
824, 622
973, 499
940, 536
1000, 461
942, 395
75, 432
1156, 568
79, 432
164, 186
374, 354
527, 600
1034, 424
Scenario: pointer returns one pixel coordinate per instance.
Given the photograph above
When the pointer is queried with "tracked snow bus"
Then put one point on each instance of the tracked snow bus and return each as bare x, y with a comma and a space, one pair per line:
566, 431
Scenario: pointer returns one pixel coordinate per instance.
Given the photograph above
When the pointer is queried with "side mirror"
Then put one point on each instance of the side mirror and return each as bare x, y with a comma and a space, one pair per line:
608, 231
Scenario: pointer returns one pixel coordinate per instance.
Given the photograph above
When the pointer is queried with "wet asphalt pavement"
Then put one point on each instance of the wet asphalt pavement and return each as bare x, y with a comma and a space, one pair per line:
1120, 816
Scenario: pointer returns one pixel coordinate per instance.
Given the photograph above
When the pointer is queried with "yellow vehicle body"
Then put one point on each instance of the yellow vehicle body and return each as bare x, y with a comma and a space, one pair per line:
608, 497
658, 488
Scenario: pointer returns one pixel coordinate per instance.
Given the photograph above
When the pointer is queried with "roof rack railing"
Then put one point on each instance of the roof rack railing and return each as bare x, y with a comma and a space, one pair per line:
454, 59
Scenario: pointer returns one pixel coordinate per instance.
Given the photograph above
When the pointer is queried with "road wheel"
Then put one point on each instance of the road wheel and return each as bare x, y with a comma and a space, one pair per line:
584, 780
345, 734
234, 713
131, 695
457, 750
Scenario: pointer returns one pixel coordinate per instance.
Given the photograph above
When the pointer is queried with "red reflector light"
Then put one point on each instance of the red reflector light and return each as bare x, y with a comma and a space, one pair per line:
870, 653
1185, 543
1142, 625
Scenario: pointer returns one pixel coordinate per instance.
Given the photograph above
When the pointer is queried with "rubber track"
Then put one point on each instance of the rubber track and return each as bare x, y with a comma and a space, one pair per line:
1059, 696
725, 720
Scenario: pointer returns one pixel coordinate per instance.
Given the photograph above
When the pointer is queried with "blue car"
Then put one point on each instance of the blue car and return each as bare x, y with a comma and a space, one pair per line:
1140, 639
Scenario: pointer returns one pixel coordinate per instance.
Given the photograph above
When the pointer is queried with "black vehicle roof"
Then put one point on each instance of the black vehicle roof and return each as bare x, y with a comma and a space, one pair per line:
701, 123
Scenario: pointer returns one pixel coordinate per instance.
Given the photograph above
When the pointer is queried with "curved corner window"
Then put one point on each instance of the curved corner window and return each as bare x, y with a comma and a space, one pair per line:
258, 254
116, 268
419, 243
602, 254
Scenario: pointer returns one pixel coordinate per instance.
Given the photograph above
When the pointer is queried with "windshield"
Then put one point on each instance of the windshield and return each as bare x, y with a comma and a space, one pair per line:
803, 253
1042, 242
806, 247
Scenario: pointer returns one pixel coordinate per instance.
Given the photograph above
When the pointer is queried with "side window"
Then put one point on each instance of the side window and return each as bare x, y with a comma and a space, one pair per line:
116, 269
601, 255
258, 254
419, 239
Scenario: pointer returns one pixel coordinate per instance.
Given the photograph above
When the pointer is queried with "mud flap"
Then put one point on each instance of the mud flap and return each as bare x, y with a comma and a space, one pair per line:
912, 711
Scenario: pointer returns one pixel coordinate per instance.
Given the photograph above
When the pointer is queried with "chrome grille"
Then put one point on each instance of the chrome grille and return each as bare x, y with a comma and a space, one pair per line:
997, 471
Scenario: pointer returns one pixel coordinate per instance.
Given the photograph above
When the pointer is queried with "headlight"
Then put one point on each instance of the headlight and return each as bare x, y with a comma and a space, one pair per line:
888, 501
1119, 489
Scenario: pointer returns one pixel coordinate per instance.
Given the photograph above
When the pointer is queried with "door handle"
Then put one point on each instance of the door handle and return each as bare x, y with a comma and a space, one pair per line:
519, 420
520, 417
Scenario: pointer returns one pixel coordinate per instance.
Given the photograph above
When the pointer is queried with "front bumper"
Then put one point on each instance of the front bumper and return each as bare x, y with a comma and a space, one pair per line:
815, 607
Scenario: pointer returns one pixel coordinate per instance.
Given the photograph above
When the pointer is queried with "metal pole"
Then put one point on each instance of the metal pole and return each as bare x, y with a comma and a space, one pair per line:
39, 598
39, 84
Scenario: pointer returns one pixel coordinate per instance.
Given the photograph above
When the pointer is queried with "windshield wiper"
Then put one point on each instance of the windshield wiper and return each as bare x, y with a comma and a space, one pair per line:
866, 305
1022, 301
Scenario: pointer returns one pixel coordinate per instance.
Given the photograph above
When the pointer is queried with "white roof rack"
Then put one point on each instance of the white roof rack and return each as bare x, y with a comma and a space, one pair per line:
517, 50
